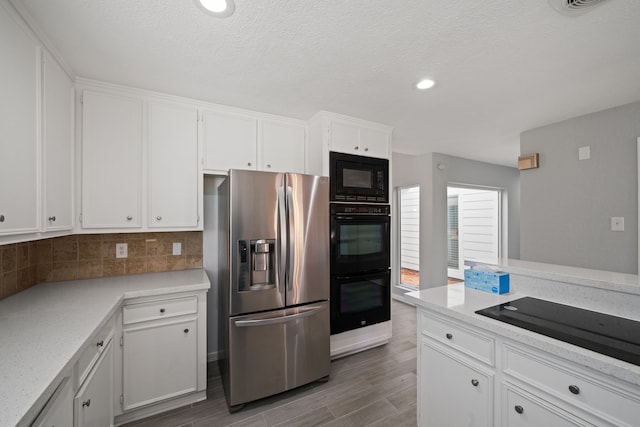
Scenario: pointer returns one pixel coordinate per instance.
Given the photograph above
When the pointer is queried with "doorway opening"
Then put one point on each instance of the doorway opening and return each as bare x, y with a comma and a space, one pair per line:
409, 227
473, 227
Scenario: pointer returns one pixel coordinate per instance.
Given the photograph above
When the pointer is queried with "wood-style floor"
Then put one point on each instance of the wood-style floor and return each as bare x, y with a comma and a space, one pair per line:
376, 387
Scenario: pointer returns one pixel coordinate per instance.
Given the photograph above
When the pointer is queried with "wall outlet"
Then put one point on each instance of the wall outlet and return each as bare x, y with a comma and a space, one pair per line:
617, 223
121, 250
584, 153
177, 248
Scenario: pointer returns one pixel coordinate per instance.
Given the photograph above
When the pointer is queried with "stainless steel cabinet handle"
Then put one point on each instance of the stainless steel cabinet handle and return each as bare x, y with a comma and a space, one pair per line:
162, 310
475, 382
100, 343
52, 218
129, 218
574, 389
159, 218
449, 336
269, 166
356, 147
1, 218
249, 164
86, 403
519, 409
366, 149
186, 331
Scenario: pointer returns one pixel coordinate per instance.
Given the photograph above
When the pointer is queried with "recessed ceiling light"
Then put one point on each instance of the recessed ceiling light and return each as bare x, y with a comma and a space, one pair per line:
219, 8
425, 84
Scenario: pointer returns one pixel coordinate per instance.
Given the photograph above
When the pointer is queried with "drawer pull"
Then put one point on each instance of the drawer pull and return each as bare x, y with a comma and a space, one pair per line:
475, 382
1, 218
100, 343
186, 331
86, 403
52, 218
449, 336
356, 147
519, 409
574, 389
162, 310
129, 218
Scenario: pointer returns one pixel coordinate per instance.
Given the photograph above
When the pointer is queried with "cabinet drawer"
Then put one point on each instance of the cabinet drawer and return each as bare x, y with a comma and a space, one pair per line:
611, 402
470, 342
95, 347
146, 311
522, 409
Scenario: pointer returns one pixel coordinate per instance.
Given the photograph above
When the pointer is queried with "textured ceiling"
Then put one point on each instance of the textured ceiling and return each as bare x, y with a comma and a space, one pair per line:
501, 66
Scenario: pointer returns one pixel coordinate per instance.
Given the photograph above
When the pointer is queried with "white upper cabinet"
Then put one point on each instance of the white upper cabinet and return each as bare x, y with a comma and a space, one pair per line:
57, 130
19, 127
356, 139
282, 147
173, 165
229, 141
111, 161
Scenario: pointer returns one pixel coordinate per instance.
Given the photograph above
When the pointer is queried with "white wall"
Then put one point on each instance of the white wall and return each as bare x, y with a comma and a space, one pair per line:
567, 204
423, 170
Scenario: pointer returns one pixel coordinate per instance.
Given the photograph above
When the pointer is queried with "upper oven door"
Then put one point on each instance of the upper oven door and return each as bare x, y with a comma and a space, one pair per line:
358, 178
359, 243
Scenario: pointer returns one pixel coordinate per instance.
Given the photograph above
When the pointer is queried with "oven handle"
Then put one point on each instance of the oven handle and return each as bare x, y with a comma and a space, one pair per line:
377, 274
362, 217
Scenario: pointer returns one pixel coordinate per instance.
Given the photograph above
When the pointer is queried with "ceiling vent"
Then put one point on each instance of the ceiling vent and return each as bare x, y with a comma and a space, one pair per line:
574, 7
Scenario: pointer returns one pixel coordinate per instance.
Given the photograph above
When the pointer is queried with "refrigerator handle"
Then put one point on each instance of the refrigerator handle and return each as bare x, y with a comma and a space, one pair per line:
291, 241
306, 312
281, 249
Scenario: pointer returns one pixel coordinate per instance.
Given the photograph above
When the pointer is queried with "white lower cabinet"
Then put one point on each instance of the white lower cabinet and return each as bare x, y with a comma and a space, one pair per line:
160, 361
457, 370
93, 404
453, 390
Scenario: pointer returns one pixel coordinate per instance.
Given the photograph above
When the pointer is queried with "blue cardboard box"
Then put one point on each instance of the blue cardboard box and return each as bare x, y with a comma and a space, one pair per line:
488, 281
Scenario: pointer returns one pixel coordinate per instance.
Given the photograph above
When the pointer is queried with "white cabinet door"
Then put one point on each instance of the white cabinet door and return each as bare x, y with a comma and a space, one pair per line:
111, 161
58, 411
57, 147
374, 142
93, 404
282, 147
19, 115
230, 141
353, 139
159, 362
173, 165
452, 391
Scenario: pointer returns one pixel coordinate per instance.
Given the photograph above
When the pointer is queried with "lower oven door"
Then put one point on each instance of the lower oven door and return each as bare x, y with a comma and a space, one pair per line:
360, 300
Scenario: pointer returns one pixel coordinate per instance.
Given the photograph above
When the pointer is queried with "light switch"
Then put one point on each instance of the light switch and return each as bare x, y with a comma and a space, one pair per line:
121, 250
617, 223
177, 248
584, 153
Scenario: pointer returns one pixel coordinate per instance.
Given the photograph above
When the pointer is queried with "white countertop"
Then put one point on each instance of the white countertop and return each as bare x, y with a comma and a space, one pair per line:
460, 303
43, 328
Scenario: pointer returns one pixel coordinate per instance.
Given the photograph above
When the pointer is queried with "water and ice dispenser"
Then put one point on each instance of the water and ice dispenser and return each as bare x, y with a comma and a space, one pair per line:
257, 260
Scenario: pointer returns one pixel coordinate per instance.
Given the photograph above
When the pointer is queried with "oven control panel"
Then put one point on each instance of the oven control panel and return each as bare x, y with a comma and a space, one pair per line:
359, 209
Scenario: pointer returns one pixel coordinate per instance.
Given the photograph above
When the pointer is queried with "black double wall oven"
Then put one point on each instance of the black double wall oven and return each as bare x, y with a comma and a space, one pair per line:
359, 243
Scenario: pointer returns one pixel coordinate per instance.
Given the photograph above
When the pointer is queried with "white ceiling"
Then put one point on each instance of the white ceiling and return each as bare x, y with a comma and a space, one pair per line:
501, 66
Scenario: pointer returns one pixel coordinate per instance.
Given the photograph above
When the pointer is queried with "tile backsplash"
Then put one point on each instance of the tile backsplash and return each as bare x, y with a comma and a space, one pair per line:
85, 256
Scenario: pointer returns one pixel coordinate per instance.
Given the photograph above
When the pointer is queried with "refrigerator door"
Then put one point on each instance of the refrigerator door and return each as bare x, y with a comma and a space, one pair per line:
257, 221
308, 239
276, 351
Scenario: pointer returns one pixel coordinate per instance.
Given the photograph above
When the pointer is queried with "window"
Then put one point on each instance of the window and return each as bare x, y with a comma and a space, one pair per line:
409, 232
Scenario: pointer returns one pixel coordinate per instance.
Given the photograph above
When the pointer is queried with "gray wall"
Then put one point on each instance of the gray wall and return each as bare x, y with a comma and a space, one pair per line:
423, 170
567, 204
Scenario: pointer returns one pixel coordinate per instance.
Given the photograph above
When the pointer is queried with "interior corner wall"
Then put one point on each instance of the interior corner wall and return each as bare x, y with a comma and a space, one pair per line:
567, 204
423, 170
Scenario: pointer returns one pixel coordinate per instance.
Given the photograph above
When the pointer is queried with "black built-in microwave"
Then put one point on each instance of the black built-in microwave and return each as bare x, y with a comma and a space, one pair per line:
358, 178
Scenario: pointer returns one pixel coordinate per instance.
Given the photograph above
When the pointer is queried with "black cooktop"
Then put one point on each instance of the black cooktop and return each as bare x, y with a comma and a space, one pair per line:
610, 335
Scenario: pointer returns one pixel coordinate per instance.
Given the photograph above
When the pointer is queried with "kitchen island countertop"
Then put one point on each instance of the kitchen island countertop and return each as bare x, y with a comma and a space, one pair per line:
43, 329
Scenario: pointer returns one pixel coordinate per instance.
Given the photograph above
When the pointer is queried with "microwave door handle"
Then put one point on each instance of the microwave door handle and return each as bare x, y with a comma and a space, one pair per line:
281, 247
291, 239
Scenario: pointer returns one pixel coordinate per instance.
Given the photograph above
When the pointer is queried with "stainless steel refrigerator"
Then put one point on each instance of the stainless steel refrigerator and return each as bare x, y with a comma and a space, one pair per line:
273, 282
